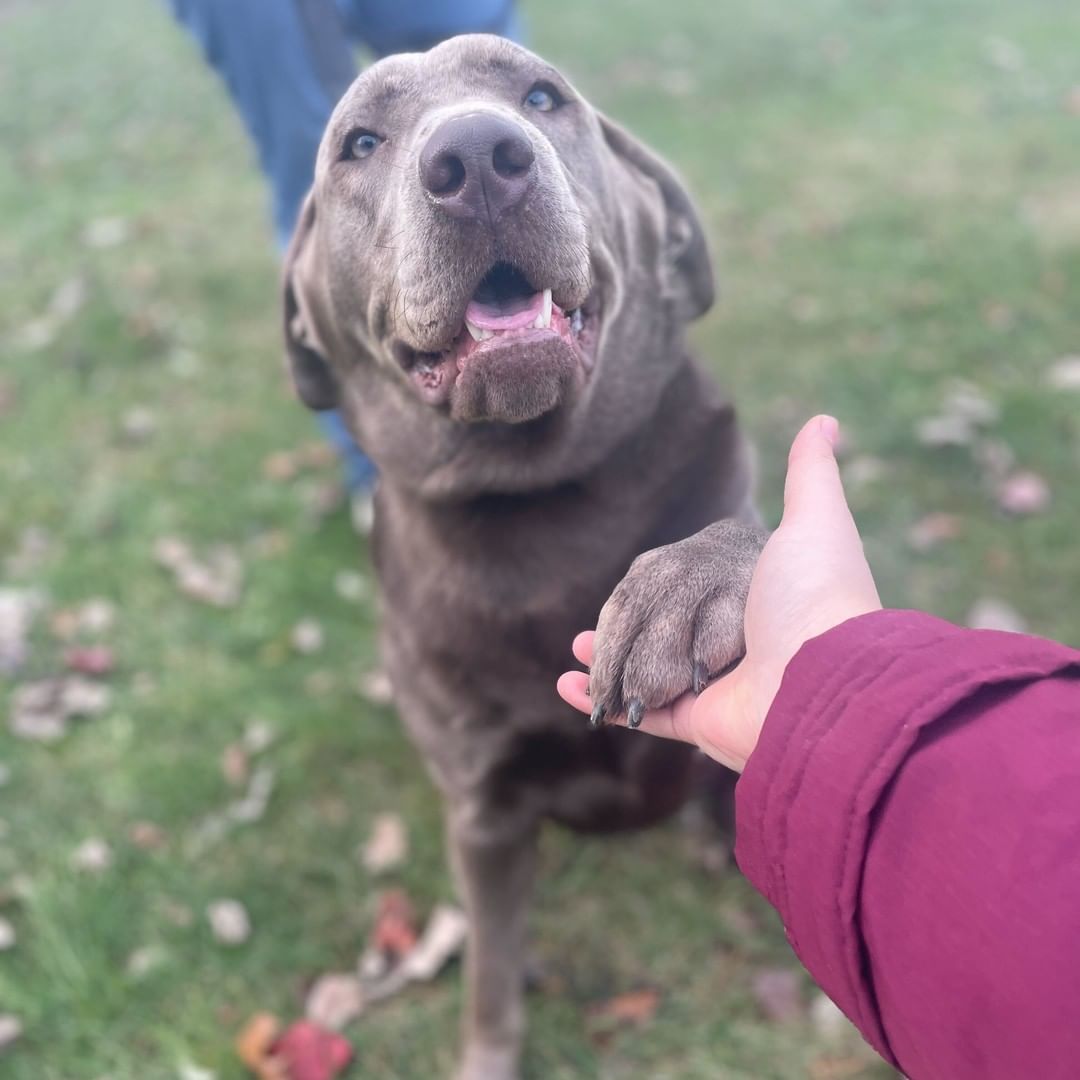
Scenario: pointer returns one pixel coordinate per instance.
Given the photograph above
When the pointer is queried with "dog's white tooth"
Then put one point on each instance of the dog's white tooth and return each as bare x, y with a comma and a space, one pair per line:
477, 333
538, 322
543, 320
487, 334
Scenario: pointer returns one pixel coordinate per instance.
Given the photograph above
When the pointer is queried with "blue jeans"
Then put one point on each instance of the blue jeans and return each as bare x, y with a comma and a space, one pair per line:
287, 62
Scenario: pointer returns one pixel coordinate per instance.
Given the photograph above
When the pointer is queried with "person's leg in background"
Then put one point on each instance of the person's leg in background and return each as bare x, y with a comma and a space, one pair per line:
391, 26
285, 63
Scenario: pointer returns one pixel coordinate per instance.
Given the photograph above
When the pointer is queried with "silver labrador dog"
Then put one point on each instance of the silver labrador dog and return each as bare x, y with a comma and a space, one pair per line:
492, 281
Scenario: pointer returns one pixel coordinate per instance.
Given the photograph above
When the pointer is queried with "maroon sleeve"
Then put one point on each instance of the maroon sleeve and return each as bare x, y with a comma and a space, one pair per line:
912, 810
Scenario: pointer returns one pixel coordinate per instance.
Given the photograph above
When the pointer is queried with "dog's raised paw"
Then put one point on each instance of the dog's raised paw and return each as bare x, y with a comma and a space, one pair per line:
674, 622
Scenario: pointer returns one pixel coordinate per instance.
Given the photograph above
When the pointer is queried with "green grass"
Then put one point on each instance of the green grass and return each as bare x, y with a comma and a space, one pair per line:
879, 191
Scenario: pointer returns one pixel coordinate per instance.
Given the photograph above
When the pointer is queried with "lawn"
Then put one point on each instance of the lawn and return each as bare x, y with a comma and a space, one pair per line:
893, 191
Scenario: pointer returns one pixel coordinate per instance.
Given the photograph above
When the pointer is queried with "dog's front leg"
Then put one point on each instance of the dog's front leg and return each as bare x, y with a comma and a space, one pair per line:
493, 854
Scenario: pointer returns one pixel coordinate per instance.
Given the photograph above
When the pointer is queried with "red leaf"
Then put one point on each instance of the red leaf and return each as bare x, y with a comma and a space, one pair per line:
90, 659
395, 924
309, 1052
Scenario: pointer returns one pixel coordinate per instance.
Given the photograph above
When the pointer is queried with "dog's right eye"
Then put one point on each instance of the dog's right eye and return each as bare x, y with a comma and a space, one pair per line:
361, 144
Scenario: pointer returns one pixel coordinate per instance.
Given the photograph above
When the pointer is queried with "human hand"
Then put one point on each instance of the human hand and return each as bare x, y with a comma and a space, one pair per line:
812, 576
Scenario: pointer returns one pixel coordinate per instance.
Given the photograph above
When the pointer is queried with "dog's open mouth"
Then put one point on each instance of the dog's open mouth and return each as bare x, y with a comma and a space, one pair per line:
506, 311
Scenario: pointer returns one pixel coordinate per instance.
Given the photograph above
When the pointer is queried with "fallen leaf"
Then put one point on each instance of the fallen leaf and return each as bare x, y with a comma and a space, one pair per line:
96, 616
394, 931
80, 697
256, 799
388, 845
1064, 374
307, 636
138, 424
838, 1068
235, 766
253, 1047
1072, 100
777, 992
106, 232
443, 938
1023, 493
280, 466
939, 431
90, 659
229, 922
258, 736
145, 960
147, 836
216, 579
374, 686
18, 609
37, 712
635, 1007
965, 399
311, 1053
935, 529
7, 935
863, 470
334, 1000
991, 614
829, 1022
998, 316
92, 856
188, 1070
351, 586
10, 1031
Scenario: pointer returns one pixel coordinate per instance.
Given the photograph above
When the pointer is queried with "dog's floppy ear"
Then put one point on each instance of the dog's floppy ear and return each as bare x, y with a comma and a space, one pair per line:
314, 381
690, 277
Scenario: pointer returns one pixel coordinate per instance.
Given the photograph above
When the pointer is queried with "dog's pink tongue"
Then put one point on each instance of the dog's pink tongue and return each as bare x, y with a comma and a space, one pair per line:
509, 315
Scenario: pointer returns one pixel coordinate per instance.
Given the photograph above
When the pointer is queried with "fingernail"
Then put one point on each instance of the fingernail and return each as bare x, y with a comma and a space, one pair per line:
829, 427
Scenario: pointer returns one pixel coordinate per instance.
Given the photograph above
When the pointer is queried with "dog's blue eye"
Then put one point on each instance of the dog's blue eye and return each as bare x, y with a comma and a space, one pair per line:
541, 98
363, 144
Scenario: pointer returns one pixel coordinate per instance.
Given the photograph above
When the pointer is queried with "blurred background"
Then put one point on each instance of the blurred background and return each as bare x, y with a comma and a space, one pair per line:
191, 706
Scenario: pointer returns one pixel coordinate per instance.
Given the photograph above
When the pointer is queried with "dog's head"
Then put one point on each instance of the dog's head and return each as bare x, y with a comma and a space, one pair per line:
489, 278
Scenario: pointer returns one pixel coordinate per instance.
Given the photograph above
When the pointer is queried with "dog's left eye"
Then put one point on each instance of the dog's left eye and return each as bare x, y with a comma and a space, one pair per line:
543, 98
362, 144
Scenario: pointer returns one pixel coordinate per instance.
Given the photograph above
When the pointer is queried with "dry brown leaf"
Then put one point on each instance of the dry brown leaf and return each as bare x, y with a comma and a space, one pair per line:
636, 1008
1072, 100
279, 466
235, 765
253, 1047
388, 846
935, 529
8, 936
147, 836
838, 1068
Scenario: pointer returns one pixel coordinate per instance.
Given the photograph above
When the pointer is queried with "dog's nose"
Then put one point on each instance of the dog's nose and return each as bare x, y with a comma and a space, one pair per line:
477, 166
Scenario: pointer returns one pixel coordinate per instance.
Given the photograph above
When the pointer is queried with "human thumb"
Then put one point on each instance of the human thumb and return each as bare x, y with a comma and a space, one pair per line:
813, 489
